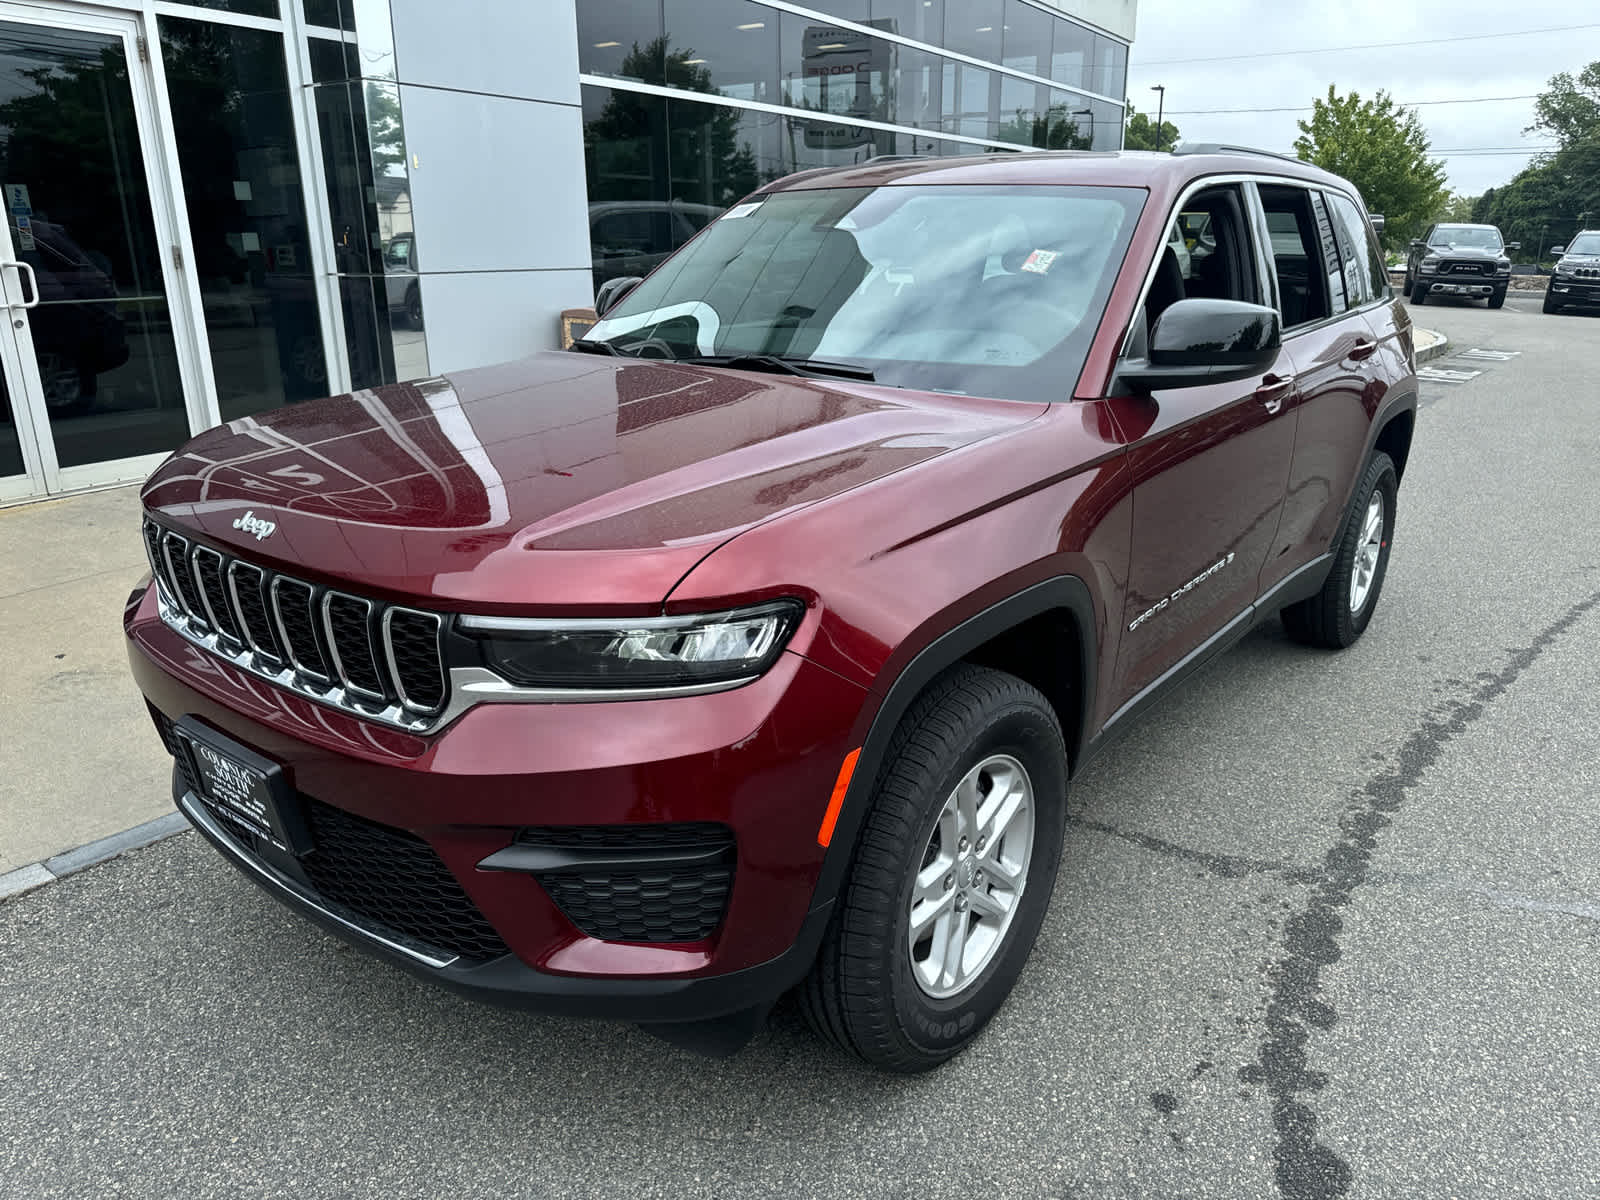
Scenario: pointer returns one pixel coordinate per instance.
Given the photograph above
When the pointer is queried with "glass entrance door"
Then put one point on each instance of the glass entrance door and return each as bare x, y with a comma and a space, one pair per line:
92, 384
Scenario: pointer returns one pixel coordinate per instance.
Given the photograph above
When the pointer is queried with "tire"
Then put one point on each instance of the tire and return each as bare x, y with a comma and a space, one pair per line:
867, 991
414, 307
1333, 619
1549, 305
1419, 294
1497, 299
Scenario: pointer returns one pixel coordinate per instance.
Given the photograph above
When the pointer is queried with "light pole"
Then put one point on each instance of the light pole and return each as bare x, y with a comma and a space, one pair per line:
1088, 112
1161, 107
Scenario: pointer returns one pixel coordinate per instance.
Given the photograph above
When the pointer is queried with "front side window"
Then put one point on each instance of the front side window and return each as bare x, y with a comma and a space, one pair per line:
1464, 237
980, 290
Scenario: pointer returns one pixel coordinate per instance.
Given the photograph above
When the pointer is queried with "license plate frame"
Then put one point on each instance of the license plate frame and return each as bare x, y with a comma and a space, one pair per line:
249, 788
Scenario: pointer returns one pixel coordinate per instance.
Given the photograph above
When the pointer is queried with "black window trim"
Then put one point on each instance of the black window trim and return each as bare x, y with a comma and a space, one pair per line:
1373, 246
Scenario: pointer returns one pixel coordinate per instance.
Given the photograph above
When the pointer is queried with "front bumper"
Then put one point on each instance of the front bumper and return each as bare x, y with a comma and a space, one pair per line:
1463, 287
760, 761
1575, 291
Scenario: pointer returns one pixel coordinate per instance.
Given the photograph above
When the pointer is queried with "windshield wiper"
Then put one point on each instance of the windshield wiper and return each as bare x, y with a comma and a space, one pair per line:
584, 347
780, 364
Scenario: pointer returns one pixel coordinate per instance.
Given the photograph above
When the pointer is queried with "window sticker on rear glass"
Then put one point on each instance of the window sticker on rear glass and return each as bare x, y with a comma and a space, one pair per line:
1040, 261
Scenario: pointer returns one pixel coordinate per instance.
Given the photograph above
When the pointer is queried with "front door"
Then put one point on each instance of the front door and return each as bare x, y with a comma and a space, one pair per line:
91, 382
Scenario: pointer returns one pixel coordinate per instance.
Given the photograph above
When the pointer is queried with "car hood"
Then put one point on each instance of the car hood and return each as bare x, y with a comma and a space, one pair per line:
1467, 252
1579, 260
562, 481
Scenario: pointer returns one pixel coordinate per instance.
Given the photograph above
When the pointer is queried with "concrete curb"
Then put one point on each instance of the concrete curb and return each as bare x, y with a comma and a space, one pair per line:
1430, 345
25, 879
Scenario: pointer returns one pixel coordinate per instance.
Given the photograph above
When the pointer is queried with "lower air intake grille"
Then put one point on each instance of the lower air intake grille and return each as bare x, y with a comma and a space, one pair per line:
663, 901
394, 879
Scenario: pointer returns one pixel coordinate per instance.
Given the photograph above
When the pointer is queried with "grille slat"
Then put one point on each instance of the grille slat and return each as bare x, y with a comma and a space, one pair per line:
382, 662
347, 620
245, 583
175, 553
291, 604
208, 566
411, 644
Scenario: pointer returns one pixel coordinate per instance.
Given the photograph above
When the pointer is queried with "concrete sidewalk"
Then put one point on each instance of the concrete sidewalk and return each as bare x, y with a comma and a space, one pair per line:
79, 759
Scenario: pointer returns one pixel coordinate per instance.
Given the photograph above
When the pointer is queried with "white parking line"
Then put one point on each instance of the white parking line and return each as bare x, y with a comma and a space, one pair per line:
1444, 375
1478, 355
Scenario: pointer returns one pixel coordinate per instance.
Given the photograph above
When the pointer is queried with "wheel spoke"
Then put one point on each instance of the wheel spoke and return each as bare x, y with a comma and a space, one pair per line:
990, 905
955, 945
967, 799
929, 887
927, 913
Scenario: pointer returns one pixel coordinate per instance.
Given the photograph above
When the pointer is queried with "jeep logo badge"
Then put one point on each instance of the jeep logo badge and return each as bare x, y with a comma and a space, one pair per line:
253, 524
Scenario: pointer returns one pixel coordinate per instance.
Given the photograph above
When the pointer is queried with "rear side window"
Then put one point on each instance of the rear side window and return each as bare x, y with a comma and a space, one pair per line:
1365, 276
1298, 256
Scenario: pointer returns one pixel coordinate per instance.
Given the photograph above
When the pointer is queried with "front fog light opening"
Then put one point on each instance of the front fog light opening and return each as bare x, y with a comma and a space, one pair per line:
625, 653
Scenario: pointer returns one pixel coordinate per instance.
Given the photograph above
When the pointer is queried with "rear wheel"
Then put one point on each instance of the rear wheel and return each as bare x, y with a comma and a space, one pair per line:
952, 874
1337, 615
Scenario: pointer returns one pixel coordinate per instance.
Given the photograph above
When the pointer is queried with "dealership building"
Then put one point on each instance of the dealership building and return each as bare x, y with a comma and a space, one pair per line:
217, 208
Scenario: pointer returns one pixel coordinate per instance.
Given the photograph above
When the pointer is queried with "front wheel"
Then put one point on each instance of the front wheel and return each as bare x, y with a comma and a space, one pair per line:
1497, 298
1550, 304
1337, 615
952, 874
1419, 294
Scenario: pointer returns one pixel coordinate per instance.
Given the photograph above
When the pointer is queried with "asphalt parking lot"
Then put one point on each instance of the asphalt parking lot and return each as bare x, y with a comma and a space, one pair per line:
1326, 925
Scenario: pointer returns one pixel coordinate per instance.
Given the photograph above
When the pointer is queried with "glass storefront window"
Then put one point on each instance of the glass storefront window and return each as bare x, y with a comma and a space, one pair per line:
247, 213
727, 47
622, 38
922, 20
1113, 79
1025, 44
973, 27
965, 100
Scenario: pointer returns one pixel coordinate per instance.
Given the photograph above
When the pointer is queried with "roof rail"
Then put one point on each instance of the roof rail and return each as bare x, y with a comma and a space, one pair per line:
883, 158
1220, 148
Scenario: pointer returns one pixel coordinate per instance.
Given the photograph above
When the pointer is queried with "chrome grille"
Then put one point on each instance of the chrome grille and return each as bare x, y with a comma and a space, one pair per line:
382, 662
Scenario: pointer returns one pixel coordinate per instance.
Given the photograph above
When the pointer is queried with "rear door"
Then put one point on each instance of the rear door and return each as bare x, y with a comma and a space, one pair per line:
1207, 464
1327, 295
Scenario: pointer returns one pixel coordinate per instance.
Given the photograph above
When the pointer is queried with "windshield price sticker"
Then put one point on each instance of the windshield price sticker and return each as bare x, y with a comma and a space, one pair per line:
741, 210
1040, 261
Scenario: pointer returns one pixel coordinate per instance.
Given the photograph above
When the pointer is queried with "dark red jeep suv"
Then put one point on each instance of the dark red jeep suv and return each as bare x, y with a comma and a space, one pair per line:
751, 645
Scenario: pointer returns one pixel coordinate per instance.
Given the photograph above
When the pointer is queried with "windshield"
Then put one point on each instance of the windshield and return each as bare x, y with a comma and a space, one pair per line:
993, 291
1463, 237
1588, 243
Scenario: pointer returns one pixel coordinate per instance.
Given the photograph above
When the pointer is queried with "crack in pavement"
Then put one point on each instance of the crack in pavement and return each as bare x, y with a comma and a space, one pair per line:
1224, 866
1304, 1168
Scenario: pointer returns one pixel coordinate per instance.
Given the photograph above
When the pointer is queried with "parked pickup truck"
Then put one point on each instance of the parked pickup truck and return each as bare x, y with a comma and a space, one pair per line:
1468, 261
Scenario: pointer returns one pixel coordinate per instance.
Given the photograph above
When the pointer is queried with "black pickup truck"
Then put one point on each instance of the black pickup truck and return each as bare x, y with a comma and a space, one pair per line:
1460, 260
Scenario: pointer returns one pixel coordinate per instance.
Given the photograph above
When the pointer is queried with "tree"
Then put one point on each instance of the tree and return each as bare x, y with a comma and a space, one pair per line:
1141, 134
1382, 148
1457, 208
1057, 128
1570, 110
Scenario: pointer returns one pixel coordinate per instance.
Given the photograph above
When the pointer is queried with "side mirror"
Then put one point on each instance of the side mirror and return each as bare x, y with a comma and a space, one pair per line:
612, 291
1203, 341
1417, 243
1513, 245
1376, 221
1558, 249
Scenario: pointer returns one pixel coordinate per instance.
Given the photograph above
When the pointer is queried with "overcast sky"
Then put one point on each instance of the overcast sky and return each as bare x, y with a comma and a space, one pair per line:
1174, 33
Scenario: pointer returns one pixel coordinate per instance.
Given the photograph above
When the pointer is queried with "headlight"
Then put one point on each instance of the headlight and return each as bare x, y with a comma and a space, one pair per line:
1503, 265
1430, 262
636, 653
1563, 269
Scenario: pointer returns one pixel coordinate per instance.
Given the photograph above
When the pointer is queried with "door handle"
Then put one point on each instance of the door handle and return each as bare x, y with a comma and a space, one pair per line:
1364, 348
1274, 390
33, 283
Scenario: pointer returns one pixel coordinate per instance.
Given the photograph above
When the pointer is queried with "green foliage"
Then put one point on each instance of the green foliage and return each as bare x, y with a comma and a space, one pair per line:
1140, 133
1382, 148
1558, 193
1570, 110
1457, 209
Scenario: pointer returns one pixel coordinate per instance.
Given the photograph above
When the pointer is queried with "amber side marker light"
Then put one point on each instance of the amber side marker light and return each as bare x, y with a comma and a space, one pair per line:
836, 801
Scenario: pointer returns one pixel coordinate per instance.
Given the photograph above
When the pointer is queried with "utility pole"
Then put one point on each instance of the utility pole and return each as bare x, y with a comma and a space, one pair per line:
1161, 107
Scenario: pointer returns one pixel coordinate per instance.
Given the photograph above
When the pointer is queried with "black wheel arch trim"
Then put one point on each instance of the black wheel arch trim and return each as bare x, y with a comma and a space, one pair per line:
1060, 592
